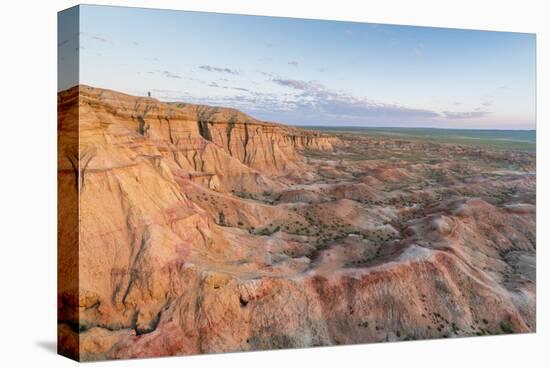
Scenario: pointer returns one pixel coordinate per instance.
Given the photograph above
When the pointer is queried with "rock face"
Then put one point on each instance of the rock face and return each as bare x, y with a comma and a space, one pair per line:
222, 148
188, 229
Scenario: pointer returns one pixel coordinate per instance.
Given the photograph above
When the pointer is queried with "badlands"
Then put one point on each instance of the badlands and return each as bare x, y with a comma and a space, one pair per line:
187, 229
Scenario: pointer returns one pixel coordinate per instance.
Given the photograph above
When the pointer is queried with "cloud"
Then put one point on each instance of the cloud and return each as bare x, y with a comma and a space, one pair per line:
218, 70
100, 39
465, 115
311, 102
308, 103
316, 99
94, 37
216, 85
167, 74
299, 84
477, 112
268, 74
294, 63
486, 102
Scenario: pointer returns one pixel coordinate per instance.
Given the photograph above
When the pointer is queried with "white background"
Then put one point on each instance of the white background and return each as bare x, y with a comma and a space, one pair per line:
28, 182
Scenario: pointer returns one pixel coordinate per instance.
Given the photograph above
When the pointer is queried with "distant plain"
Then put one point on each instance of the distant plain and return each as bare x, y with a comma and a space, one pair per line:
523, 140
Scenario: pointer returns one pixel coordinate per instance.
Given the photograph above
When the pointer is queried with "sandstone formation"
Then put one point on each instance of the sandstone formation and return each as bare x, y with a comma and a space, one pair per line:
190, 229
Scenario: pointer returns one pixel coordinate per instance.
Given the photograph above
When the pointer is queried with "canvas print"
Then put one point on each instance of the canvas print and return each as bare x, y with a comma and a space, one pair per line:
234, 183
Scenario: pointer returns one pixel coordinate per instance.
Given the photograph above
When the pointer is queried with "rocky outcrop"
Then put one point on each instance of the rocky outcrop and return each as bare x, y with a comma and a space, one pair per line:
188, 229
268, 147
219, 147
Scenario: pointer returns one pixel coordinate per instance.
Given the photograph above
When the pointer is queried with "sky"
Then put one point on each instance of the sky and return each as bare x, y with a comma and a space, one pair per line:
308, 72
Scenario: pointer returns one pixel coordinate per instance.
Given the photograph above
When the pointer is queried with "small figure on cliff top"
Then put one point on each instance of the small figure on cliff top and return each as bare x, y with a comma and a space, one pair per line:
148, 94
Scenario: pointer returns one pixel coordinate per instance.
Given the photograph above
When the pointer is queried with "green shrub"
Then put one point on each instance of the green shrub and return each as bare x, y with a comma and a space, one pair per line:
506, 327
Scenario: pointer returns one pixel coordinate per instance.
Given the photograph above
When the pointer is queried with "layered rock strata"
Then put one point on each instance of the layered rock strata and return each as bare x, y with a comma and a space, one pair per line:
190, 229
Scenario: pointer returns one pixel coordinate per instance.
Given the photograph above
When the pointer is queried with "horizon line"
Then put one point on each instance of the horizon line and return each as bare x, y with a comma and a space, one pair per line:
416, 127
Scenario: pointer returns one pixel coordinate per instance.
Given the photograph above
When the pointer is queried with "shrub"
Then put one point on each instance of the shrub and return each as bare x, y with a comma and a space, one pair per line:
506, 327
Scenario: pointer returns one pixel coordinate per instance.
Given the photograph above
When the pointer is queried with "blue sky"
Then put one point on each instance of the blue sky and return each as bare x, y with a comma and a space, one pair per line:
312, 72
